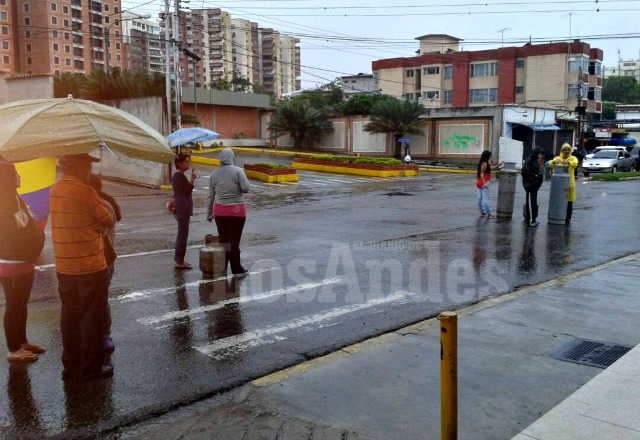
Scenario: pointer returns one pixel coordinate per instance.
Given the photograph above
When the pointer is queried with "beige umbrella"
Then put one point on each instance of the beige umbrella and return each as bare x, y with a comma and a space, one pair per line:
56, 127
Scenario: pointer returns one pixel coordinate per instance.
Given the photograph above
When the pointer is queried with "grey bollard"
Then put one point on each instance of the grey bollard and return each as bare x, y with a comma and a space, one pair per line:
558, 195
506, 190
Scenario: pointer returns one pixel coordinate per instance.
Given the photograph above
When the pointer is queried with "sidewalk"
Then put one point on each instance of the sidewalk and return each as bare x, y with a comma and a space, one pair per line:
510, 385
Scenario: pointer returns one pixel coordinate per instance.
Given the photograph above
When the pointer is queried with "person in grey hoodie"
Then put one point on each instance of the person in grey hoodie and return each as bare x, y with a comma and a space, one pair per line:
225, 203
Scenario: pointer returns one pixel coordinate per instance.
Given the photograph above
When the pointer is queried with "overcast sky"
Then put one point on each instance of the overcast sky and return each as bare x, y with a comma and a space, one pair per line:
343, 37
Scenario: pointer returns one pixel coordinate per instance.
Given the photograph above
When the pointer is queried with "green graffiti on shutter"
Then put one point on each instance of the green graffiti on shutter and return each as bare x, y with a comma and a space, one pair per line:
459, 141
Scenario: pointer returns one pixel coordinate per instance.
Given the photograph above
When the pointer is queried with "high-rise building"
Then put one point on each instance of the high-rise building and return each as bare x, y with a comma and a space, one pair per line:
58, 36
228, 46
143, 48
624, 68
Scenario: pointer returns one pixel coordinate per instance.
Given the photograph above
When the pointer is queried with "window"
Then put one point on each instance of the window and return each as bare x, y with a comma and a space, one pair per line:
67, 61
67, 49
595, 94
25, 7
448, 72
56, 46
54, 20
5, 45
117, 45
483, 95
447, 95
5, 59
408, 96
56, 60
54, 7
3, 15
106, 7
4, 30
29, 60
3, 2
595, 68
484, 69
432, 95
28, 48
375, 78
519, 90
27, 34
65, 9
573, 90
66, 35
65, 22
577, 64
409, 73
432, 70
520, 63
54, 33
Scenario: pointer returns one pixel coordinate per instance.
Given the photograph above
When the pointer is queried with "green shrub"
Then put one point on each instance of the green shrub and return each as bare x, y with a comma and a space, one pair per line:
270, 165
360, 159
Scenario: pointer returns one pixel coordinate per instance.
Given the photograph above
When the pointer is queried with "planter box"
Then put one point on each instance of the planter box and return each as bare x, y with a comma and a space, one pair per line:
364, 169
268, 174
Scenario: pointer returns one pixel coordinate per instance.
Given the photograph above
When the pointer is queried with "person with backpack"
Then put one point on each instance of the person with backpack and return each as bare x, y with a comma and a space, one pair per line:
532, 177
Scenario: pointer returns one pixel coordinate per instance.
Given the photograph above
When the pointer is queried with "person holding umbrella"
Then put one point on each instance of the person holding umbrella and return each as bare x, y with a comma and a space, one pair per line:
182, 190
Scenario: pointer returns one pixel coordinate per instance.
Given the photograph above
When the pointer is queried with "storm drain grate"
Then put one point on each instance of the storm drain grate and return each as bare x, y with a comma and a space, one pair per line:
593, 353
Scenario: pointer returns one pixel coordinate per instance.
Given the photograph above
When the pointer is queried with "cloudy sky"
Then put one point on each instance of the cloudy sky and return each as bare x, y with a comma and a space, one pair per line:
343, 37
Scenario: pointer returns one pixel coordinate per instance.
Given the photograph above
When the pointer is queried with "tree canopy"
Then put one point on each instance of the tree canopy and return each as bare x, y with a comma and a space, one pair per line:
100, 86
300, 120
621, 90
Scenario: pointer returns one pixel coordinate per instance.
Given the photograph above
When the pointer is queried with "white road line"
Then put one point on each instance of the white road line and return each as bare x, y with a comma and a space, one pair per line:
307, 323
152, 320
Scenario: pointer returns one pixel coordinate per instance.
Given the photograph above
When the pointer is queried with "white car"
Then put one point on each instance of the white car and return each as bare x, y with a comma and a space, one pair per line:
605, 147
608, 161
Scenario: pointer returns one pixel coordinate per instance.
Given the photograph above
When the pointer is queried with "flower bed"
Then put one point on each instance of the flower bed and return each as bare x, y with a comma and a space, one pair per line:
269, 172
270, 169
355, 165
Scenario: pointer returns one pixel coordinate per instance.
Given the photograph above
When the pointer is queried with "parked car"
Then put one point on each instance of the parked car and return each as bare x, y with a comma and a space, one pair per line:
605, 147
608, 161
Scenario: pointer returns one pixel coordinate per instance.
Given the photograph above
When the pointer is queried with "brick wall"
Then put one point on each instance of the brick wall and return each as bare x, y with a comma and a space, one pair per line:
226, 120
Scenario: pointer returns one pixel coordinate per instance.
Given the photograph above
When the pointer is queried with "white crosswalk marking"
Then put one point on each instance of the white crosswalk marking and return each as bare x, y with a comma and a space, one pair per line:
271, 295
308, 323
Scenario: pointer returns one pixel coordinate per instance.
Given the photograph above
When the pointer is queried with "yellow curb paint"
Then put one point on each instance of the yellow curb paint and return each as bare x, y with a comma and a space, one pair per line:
356, 171
205, 160
166, 187
387, 337
272, 178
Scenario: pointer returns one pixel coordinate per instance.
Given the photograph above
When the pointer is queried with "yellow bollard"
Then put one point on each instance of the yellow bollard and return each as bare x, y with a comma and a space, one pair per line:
448, 375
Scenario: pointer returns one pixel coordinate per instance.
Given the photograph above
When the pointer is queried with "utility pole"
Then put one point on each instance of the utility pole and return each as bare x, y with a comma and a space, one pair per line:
176, 62
167, 60
579, 109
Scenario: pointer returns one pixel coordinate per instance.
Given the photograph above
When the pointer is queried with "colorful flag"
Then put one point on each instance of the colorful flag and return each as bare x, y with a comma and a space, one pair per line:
37, 176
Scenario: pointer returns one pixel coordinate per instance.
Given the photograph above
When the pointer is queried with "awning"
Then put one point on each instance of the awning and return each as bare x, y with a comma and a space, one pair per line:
541, 127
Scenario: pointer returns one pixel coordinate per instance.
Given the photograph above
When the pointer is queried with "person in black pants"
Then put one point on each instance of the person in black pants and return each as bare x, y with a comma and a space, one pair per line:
532, 178
225, 202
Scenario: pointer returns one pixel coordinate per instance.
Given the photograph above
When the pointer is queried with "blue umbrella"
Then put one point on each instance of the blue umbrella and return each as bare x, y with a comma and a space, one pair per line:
191, 134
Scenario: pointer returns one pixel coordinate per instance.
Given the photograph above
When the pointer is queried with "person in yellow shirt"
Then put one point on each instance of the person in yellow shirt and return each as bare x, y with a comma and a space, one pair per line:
566, 159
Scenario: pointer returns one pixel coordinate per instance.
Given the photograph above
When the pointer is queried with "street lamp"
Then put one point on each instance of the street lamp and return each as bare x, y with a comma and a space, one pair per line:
107, 31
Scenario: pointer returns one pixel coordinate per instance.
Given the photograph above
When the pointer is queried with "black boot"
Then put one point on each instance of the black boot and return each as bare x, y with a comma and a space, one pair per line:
569, 212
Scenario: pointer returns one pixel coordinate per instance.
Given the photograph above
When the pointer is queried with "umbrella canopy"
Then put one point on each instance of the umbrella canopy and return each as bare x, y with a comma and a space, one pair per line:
57, 127
191, 134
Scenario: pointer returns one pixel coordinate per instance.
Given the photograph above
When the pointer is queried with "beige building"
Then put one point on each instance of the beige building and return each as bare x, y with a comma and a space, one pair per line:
58, 36
624, 68
554, 75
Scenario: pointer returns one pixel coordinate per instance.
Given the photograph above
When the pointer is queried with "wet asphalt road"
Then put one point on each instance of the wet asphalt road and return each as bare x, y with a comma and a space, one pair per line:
333, 260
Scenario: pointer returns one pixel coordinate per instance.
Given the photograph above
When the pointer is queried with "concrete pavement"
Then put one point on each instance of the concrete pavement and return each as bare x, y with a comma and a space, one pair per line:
512, 382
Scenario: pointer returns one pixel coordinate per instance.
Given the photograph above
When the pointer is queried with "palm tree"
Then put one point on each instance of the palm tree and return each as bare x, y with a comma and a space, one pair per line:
299, 120
396, 117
